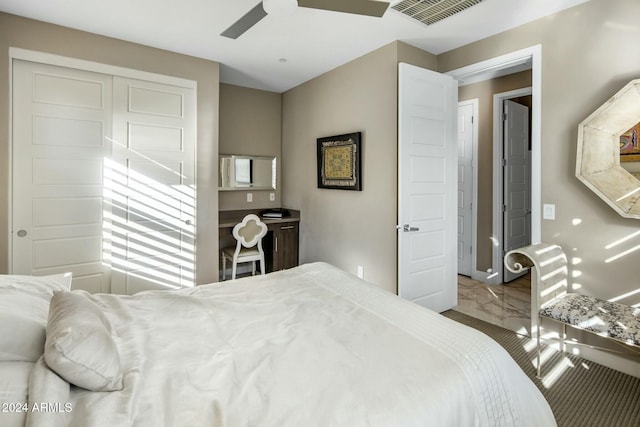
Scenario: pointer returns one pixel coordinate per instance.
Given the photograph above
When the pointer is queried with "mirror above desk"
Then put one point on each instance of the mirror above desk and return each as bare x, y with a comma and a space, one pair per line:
246, 173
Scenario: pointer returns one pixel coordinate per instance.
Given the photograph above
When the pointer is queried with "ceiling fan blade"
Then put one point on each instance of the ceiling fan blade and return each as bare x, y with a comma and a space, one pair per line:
358, 7
250, 19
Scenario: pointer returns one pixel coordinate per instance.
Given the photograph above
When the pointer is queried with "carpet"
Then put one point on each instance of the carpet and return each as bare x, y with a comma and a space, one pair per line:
583, 394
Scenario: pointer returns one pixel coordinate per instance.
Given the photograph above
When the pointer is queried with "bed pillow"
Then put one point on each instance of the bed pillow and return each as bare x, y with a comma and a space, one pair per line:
14, 385
79, 346
24, 308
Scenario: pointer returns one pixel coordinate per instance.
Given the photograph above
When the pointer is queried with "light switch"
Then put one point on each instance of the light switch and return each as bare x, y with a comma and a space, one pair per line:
549, 212
272, 197
249, 197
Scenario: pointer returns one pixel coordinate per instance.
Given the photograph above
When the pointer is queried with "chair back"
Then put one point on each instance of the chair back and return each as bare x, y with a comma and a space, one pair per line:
250, 231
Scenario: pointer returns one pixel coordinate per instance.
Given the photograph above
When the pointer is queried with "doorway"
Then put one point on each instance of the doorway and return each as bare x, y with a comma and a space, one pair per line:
490, 270
510, 162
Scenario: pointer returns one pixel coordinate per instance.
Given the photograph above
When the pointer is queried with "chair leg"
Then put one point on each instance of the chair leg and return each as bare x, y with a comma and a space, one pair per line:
253, 268
234, 267
224, 268
262, 269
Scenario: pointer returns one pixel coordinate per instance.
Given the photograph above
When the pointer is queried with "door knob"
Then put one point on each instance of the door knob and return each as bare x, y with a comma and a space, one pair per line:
21, 233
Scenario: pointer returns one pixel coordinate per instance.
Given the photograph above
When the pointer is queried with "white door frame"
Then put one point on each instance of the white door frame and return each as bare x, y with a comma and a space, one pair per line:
498, 175
474, 183
530, 57
80, 64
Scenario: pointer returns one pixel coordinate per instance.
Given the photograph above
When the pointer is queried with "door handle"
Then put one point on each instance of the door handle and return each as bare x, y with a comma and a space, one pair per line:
406, 228
21, 233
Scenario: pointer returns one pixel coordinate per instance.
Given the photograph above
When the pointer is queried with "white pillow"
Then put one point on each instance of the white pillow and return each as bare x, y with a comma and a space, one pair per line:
24, 308
79, 346
14, 384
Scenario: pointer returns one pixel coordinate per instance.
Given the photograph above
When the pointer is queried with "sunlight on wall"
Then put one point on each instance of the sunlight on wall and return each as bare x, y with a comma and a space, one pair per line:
618, 243
622, 254
627, 295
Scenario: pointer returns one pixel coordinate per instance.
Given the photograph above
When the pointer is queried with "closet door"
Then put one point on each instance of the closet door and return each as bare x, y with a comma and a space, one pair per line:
103, 179
151, 183
61, 138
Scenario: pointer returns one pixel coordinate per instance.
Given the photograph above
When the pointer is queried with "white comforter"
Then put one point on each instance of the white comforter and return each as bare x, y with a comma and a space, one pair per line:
311, 346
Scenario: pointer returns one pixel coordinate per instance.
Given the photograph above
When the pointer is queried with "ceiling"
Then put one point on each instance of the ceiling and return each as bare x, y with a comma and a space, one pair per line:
278, 53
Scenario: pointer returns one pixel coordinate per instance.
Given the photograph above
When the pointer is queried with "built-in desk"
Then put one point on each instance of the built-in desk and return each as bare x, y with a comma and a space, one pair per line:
280, 244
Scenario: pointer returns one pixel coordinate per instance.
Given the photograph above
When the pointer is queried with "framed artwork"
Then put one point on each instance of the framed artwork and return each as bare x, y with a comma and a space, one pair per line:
629, 147
339, 162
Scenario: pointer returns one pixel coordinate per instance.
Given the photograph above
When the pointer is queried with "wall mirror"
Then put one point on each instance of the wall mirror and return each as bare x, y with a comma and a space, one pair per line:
606, 160
246, 173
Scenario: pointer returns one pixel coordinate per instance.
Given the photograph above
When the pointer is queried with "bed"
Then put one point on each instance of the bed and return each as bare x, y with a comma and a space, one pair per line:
309, 346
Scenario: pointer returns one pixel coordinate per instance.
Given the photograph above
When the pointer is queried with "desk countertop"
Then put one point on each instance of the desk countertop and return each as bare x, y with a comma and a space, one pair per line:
231, 218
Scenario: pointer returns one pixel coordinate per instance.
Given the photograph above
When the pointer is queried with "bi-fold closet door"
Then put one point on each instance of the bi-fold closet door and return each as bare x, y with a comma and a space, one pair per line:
103, 179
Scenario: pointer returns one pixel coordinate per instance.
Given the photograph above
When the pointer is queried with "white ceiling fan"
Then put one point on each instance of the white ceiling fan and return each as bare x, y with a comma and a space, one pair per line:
282, 7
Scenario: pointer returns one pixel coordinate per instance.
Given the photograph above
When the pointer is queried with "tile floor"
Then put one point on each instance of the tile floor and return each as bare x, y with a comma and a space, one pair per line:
507, 305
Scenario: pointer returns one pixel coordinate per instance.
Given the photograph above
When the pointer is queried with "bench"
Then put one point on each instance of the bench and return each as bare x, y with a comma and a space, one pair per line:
607, 319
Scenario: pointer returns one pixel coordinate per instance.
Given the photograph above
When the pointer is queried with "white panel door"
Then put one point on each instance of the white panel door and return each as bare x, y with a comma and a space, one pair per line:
465, 186
517, 181
151, 183
427, 187
61, 130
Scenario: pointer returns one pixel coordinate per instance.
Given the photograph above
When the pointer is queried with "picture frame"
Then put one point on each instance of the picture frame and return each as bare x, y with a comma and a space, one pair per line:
339, 162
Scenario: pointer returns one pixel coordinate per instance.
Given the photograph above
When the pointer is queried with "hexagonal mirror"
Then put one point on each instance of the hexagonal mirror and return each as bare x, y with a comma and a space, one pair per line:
608, 154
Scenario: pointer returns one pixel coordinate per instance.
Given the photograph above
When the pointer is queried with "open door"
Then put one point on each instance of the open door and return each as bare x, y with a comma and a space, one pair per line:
517, 182
466, 136
427, 187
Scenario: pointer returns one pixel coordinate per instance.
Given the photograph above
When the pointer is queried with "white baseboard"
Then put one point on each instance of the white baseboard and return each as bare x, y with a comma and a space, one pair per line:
483, 276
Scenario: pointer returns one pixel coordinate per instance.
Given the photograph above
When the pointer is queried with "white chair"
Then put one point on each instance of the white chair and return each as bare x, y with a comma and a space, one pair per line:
248, 248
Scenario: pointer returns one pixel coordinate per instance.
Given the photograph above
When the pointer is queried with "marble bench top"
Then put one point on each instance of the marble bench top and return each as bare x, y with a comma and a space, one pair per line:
608, 319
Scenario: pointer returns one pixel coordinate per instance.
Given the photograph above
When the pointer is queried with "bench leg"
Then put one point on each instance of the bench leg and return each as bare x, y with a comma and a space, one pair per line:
538, 346
563, 345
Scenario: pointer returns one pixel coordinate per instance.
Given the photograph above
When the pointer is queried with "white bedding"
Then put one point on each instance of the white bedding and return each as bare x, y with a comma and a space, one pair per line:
310, 346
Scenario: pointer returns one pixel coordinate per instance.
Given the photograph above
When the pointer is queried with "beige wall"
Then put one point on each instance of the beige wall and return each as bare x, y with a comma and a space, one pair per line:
484, 92
39, 36
585, 60
250, 124
348, 228
414, 56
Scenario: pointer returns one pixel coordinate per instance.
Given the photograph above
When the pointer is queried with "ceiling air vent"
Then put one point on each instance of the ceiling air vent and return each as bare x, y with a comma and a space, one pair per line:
431, 11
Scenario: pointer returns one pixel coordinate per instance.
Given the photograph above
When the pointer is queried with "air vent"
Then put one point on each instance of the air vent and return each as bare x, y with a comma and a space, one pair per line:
432, 11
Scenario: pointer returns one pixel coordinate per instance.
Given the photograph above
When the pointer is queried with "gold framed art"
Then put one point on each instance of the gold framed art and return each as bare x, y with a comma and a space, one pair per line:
339, 162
